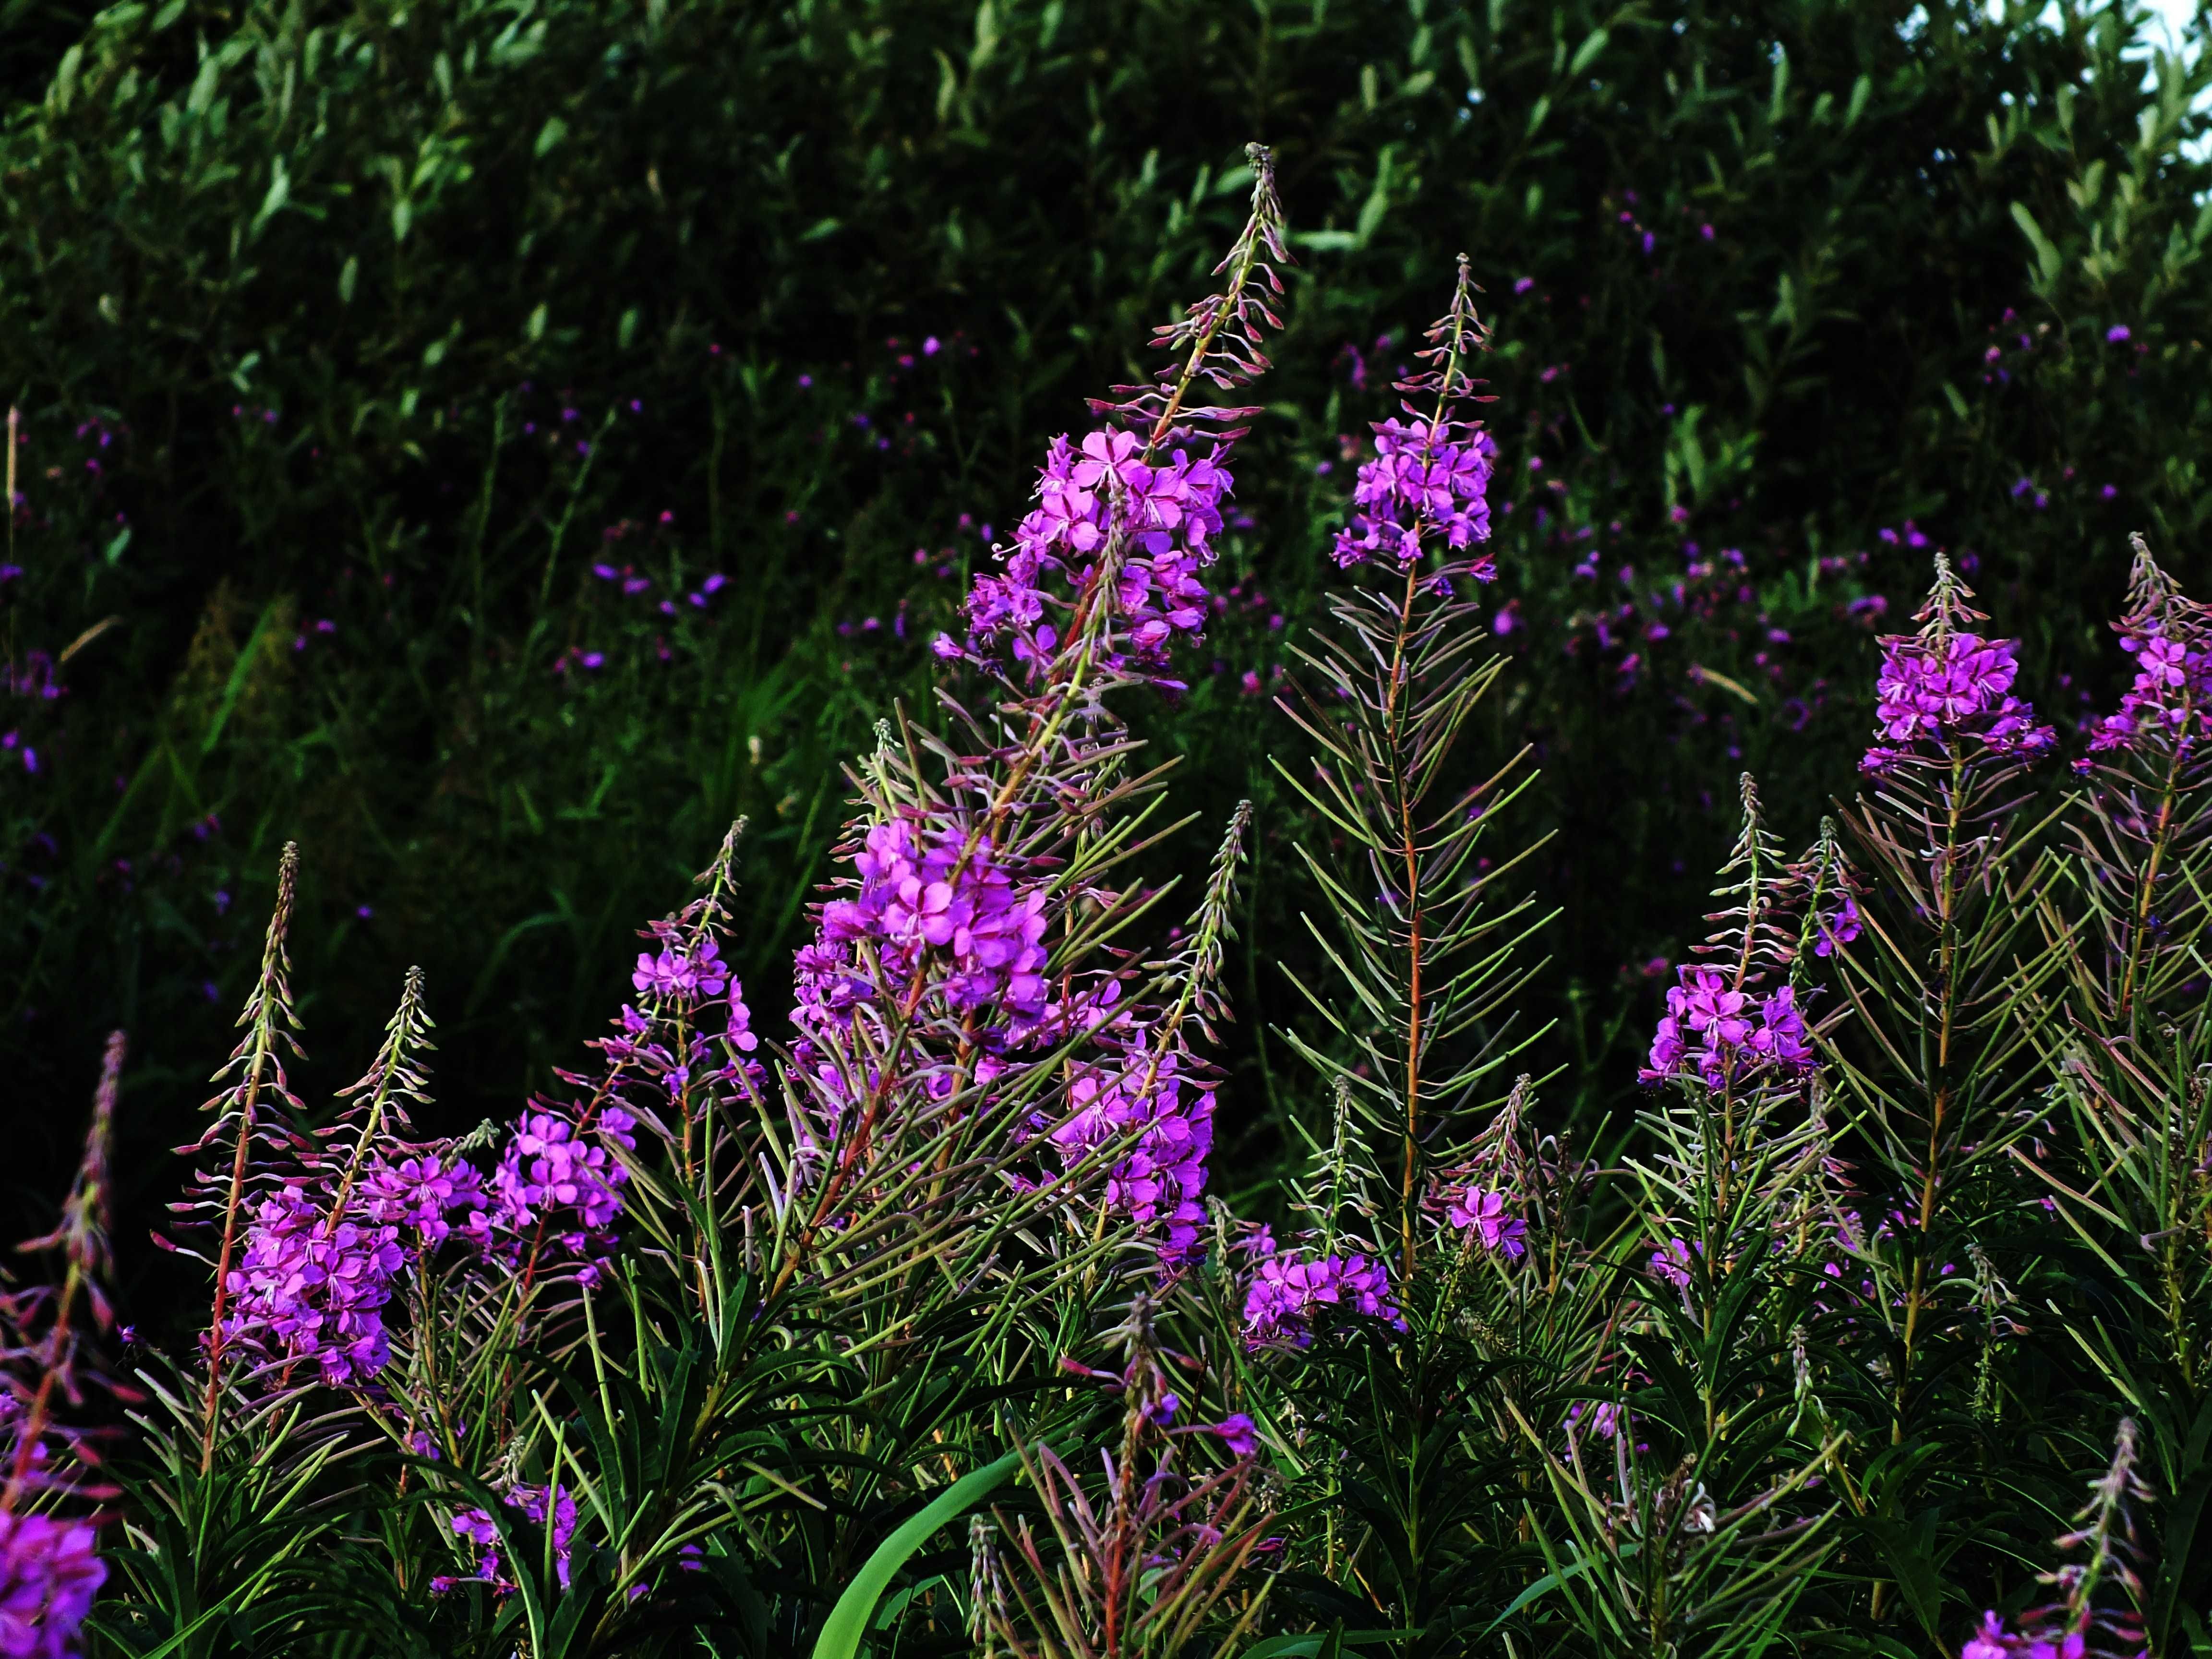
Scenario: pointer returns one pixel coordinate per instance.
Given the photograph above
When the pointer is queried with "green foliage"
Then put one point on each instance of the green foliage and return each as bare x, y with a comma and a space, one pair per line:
494, 446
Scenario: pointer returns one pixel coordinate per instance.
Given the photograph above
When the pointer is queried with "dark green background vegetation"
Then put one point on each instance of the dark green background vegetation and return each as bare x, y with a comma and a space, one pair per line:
350, 338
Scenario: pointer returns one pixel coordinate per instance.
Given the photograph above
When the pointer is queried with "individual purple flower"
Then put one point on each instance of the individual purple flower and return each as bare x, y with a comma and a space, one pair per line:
1604, 1416
1673, 1261
1239, 1434
1837, 927
1483, 1214
49, 1573
1991, 1641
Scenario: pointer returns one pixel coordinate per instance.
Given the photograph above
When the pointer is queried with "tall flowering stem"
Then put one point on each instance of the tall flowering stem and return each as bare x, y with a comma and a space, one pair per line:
2086, 1618
55, 1493
245, 1118
2143, 840
962, 963
2124, 1154
1944, 962
1427, 962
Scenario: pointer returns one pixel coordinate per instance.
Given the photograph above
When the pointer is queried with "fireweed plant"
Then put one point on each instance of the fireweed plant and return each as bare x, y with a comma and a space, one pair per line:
921, 1328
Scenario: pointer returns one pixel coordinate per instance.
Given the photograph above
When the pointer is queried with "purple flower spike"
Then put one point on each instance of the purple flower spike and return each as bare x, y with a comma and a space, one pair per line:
2170, 637
1945, 688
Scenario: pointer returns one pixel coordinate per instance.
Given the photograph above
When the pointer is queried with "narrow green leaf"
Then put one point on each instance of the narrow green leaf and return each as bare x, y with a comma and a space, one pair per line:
849, 1619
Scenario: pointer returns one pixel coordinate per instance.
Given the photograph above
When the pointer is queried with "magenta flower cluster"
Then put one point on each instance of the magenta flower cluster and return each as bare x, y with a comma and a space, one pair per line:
1158, 1183
2173, 680
926, 896
690, 1000
49, 1573
311, 1286
315, 1277
558, 1189
674, 975
1286, 1289
425, 1193
1170, 513
1424, 478
926, 888
1936, 691
1484, 1216
1713, 1032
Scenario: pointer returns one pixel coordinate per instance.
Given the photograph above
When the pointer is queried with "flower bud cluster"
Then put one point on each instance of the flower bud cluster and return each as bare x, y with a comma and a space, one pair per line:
1486, 1217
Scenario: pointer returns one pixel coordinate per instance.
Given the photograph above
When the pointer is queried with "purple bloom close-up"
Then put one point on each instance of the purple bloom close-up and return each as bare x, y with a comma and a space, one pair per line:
49, 1573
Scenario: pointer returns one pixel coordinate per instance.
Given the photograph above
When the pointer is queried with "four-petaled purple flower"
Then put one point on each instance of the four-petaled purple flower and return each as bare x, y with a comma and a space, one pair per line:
1484, 1212
1837, 927
1240, 1434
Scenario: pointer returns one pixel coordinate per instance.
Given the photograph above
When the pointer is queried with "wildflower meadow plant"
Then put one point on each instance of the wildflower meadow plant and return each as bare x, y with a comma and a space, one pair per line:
725, 1339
